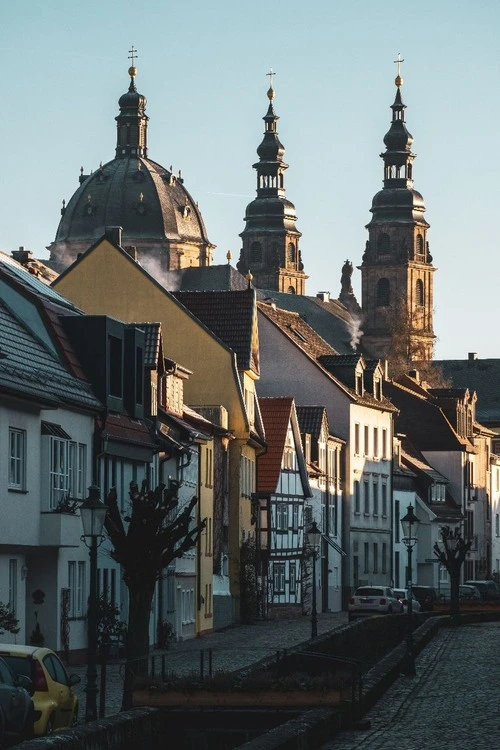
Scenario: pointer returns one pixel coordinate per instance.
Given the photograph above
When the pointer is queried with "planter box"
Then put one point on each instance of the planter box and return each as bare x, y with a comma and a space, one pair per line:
208, 698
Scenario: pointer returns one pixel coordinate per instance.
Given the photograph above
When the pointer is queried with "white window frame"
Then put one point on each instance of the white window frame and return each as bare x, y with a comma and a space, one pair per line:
13, 585
76, 586
67, 470
281, 516
292, 582
17, 459
279, 578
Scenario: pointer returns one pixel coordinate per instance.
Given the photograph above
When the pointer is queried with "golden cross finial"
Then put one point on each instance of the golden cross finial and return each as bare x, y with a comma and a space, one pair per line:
270, 93
132, 55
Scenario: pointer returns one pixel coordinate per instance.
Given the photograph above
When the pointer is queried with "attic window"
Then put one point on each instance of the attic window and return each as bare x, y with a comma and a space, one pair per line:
186, 211
438, 493
298, 334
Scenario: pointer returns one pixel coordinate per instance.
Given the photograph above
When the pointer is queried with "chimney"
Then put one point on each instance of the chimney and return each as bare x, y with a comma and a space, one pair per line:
472, 356
132, 251
323, 296
415, 375
114, 235
22, 256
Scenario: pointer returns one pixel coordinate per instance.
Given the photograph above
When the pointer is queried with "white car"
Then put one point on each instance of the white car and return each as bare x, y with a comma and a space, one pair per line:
402, 595
373, 600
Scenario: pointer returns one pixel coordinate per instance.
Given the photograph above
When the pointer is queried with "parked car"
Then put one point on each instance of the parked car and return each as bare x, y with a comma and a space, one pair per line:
51, 685
402, 596
17, 713
487, 589
427, 597
467, 592
373, 600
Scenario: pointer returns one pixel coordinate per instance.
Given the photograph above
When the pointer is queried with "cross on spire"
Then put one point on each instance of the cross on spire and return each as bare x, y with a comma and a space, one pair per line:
132, 55
270, 74
398, 63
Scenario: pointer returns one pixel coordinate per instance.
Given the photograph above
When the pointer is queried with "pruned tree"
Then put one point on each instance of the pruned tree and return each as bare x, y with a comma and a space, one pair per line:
8, 620
451, 552
144, 541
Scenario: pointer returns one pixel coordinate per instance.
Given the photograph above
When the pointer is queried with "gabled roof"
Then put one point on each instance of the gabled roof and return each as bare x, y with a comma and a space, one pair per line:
423, 421
276, 415
232, 316
481, 376
311, 419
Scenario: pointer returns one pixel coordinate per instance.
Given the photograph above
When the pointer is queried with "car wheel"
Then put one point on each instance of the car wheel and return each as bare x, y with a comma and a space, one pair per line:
49, 729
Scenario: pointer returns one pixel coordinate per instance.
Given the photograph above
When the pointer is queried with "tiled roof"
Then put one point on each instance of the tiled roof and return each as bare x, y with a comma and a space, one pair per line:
331, 320
31, 282
311, 419
481, 376
152, 337
30, 370
423, 421
122, 427
341, 360
276, 417
205, 279
232, 317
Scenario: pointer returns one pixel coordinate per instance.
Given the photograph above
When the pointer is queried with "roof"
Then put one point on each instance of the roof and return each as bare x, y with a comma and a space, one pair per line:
232, 317
423, 421
311, 419
152, 347
32, 283
215, 278
481, 376
125, 429
276, 414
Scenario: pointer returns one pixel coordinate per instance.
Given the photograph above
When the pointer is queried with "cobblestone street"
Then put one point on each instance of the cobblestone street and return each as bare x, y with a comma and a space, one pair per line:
233, 648
453, 702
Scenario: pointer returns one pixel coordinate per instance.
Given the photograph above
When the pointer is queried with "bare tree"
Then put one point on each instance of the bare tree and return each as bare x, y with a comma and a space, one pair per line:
451, 552
150, 537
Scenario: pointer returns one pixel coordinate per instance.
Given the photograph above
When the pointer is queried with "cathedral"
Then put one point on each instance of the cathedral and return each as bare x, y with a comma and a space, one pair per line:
164, 231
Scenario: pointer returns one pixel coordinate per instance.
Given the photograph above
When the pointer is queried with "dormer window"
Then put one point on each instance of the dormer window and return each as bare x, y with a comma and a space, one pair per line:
438, 492
377, 388
359, 383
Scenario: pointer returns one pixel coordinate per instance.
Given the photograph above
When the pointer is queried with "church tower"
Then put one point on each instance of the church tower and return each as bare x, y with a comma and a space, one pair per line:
271, 239
397, 270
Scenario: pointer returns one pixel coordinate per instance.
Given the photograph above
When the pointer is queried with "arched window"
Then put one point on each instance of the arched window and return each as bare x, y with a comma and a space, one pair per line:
291, 290
383, 293
384, 244
420, 245
291, 255
420, 293
256, 252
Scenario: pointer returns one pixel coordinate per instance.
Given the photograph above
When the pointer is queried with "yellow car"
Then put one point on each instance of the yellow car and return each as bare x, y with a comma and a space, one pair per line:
51, 685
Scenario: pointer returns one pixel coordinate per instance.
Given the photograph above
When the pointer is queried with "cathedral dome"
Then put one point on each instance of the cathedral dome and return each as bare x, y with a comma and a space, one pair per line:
157, 214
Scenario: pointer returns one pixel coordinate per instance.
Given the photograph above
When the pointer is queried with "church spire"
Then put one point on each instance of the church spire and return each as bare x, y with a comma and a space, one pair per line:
270, 238
132, 122
397, 269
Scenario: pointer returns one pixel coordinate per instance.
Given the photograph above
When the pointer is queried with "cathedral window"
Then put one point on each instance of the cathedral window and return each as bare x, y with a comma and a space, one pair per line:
383, 293
420, 245
291, 290
256, 252
384, 244
291, 253
420, 293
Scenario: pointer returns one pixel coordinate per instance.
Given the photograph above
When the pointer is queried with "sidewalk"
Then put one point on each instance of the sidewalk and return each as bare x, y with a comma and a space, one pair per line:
233, 648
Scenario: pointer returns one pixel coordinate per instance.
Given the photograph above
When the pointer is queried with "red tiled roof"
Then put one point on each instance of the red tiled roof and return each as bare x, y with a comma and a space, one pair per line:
122, 427
276, 414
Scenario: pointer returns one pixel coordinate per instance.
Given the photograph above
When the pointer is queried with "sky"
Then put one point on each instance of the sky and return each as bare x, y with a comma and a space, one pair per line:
202, 66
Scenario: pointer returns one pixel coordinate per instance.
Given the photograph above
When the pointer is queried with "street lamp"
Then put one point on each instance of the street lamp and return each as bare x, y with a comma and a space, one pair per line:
93, 514
313, 539
410, 527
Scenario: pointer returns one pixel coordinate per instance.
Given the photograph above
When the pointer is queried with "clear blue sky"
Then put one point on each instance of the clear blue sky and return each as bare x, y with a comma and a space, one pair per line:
202, 68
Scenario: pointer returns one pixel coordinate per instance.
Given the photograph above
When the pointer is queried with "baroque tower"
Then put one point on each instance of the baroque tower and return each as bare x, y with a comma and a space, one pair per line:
397, 270
271, 239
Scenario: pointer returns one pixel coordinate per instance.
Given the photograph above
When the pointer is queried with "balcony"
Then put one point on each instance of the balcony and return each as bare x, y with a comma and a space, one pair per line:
60, 529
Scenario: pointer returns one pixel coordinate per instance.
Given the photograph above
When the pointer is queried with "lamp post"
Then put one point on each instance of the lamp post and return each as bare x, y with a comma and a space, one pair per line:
313, 539
93, 513
410, 526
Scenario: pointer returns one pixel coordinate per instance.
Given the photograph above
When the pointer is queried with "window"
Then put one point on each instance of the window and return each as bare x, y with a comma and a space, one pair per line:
366, 448
384, 557
375, 498
366, 557
420, 245
293, 579
384, 501
438, 493
281, 517
356, 439
397, 532
295, 517
76, 585
419, 293
17, 459
247, 478
375, 557
291, 254
469, 524
384, 444
279, 578
366, 498
375, 442
13, 585
289, 455
497, 524
67, 471
383, 293
443, 574
357, 493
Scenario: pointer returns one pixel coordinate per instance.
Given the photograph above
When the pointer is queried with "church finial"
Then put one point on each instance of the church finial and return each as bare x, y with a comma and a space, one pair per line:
270, 92
399, 80
132, 71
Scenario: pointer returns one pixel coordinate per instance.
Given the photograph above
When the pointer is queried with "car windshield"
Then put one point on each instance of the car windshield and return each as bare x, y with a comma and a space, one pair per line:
369, 592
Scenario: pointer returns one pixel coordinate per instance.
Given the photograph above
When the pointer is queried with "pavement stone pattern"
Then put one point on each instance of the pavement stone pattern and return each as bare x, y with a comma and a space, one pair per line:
452, 702
233, 648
